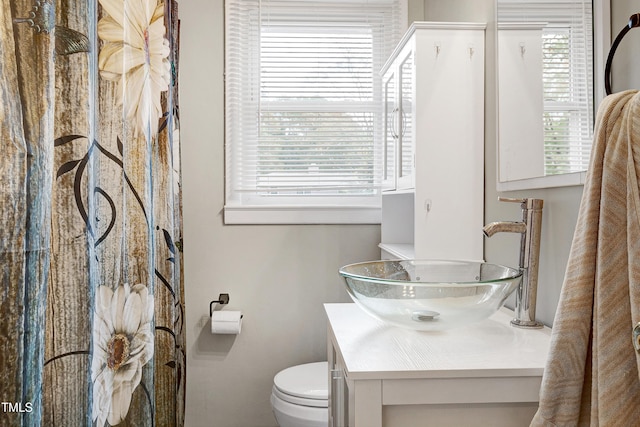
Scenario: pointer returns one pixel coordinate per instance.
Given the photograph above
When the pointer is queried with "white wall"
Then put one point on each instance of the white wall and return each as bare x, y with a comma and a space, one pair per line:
280, 275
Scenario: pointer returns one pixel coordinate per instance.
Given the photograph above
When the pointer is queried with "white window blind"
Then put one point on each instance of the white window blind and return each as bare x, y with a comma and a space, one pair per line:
567, 74
304, 108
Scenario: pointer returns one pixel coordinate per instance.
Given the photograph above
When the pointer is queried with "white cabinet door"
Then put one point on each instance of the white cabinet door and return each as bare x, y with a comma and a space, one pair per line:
406, 111
390, 128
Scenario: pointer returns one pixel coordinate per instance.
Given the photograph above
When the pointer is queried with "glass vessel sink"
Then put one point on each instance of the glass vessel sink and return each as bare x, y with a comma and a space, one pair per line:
430, 295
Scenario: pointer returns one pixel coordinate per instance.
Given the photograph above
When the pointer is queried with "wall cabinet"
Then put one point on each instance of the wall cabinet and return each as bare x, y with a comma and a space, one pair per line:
433, 166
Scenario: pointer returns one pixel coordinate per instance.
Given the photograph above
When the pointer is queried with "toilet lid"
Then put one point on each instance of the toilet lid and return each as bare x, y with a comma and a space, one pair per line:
308, 381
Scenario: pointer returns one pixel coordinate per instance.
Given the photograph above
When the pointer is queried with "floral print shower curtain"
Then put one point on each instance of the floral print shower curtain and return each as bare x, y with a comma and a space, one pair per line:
91, 309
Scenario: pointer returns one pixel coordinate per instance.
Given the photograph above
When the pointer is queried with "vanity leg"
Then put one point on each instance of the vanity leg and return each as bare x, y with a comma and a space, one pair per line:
366, 410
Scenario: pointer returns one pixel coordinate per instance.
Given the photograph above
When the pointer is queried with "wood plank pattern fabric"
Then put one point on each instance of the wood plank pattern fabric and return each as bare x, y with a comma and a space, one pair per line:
592, 375
92, 301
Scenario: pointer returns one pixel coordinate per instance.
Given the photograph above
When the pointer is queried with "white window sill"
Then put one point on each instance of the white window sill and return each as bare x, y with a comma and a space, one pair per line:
302, 215
549, 181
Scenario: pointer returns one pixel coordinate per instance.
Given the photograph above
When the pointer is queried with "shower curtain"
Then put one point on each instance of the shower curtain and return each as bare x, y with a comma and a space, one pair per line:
91, 309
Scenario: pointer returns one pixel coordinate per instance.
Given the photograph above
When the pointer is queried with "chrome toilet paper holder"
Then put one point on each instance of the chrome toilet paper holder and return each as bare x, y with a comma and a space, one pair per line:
222, 299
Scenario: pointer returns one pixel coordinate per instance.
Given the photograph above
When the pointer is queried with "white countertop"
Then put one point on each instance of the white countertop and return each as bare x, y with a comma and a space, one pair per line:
372, 349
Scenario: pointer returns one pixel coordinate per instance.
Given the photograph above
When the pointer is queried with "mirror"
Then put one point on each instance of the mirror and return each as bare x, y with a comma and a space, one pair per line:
550, 63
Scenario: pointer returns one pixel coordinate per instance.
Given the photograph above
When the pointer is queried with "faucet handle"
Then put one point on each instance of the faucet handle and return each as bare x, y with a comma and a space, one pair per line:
526, 203
511, 199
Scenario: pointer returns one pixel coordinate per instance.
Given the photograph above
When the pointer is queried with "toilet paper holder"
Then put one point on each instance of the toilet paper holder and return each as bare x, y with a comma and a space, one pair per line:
222, 299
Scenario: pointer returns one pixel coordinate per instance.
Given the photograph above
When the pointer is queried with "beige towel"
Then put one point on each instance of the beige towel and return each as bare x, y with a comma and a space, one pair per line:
591, 377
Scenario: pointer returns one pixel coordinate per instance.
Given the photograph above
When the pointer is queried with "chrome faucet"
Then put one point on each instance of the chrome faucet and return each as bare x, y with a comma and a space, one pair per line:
530, 229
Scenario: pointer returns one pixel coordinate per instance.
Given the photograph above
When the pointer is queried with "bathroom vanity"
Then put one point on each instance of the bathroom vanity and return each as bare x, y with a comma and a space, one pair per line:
382, 375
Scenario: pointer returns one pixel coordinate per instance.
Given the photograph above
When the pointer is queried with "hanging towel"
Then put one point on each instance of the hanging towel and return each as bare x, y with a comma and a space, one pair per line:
592, 374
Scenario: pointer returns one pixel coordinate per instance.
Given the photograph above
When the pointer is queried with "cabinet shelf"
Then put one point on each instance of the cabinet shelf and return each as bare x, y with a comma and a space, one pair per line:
397, 250
398, 191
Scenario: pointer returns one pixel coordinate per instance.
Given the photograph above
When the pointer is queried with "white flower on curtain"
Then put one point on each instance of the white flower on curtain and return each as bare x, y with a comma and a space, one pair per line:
135, 54
122, 344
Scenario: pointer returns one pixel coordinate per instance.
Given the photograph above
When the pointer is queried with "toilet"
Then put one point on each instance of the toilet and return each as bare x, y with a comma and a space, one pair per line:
300, 396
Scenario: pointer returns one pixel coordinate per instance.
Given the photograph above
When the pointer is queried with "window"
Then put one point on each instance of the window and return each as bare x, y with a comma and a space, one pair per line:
568, 97
303, 108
